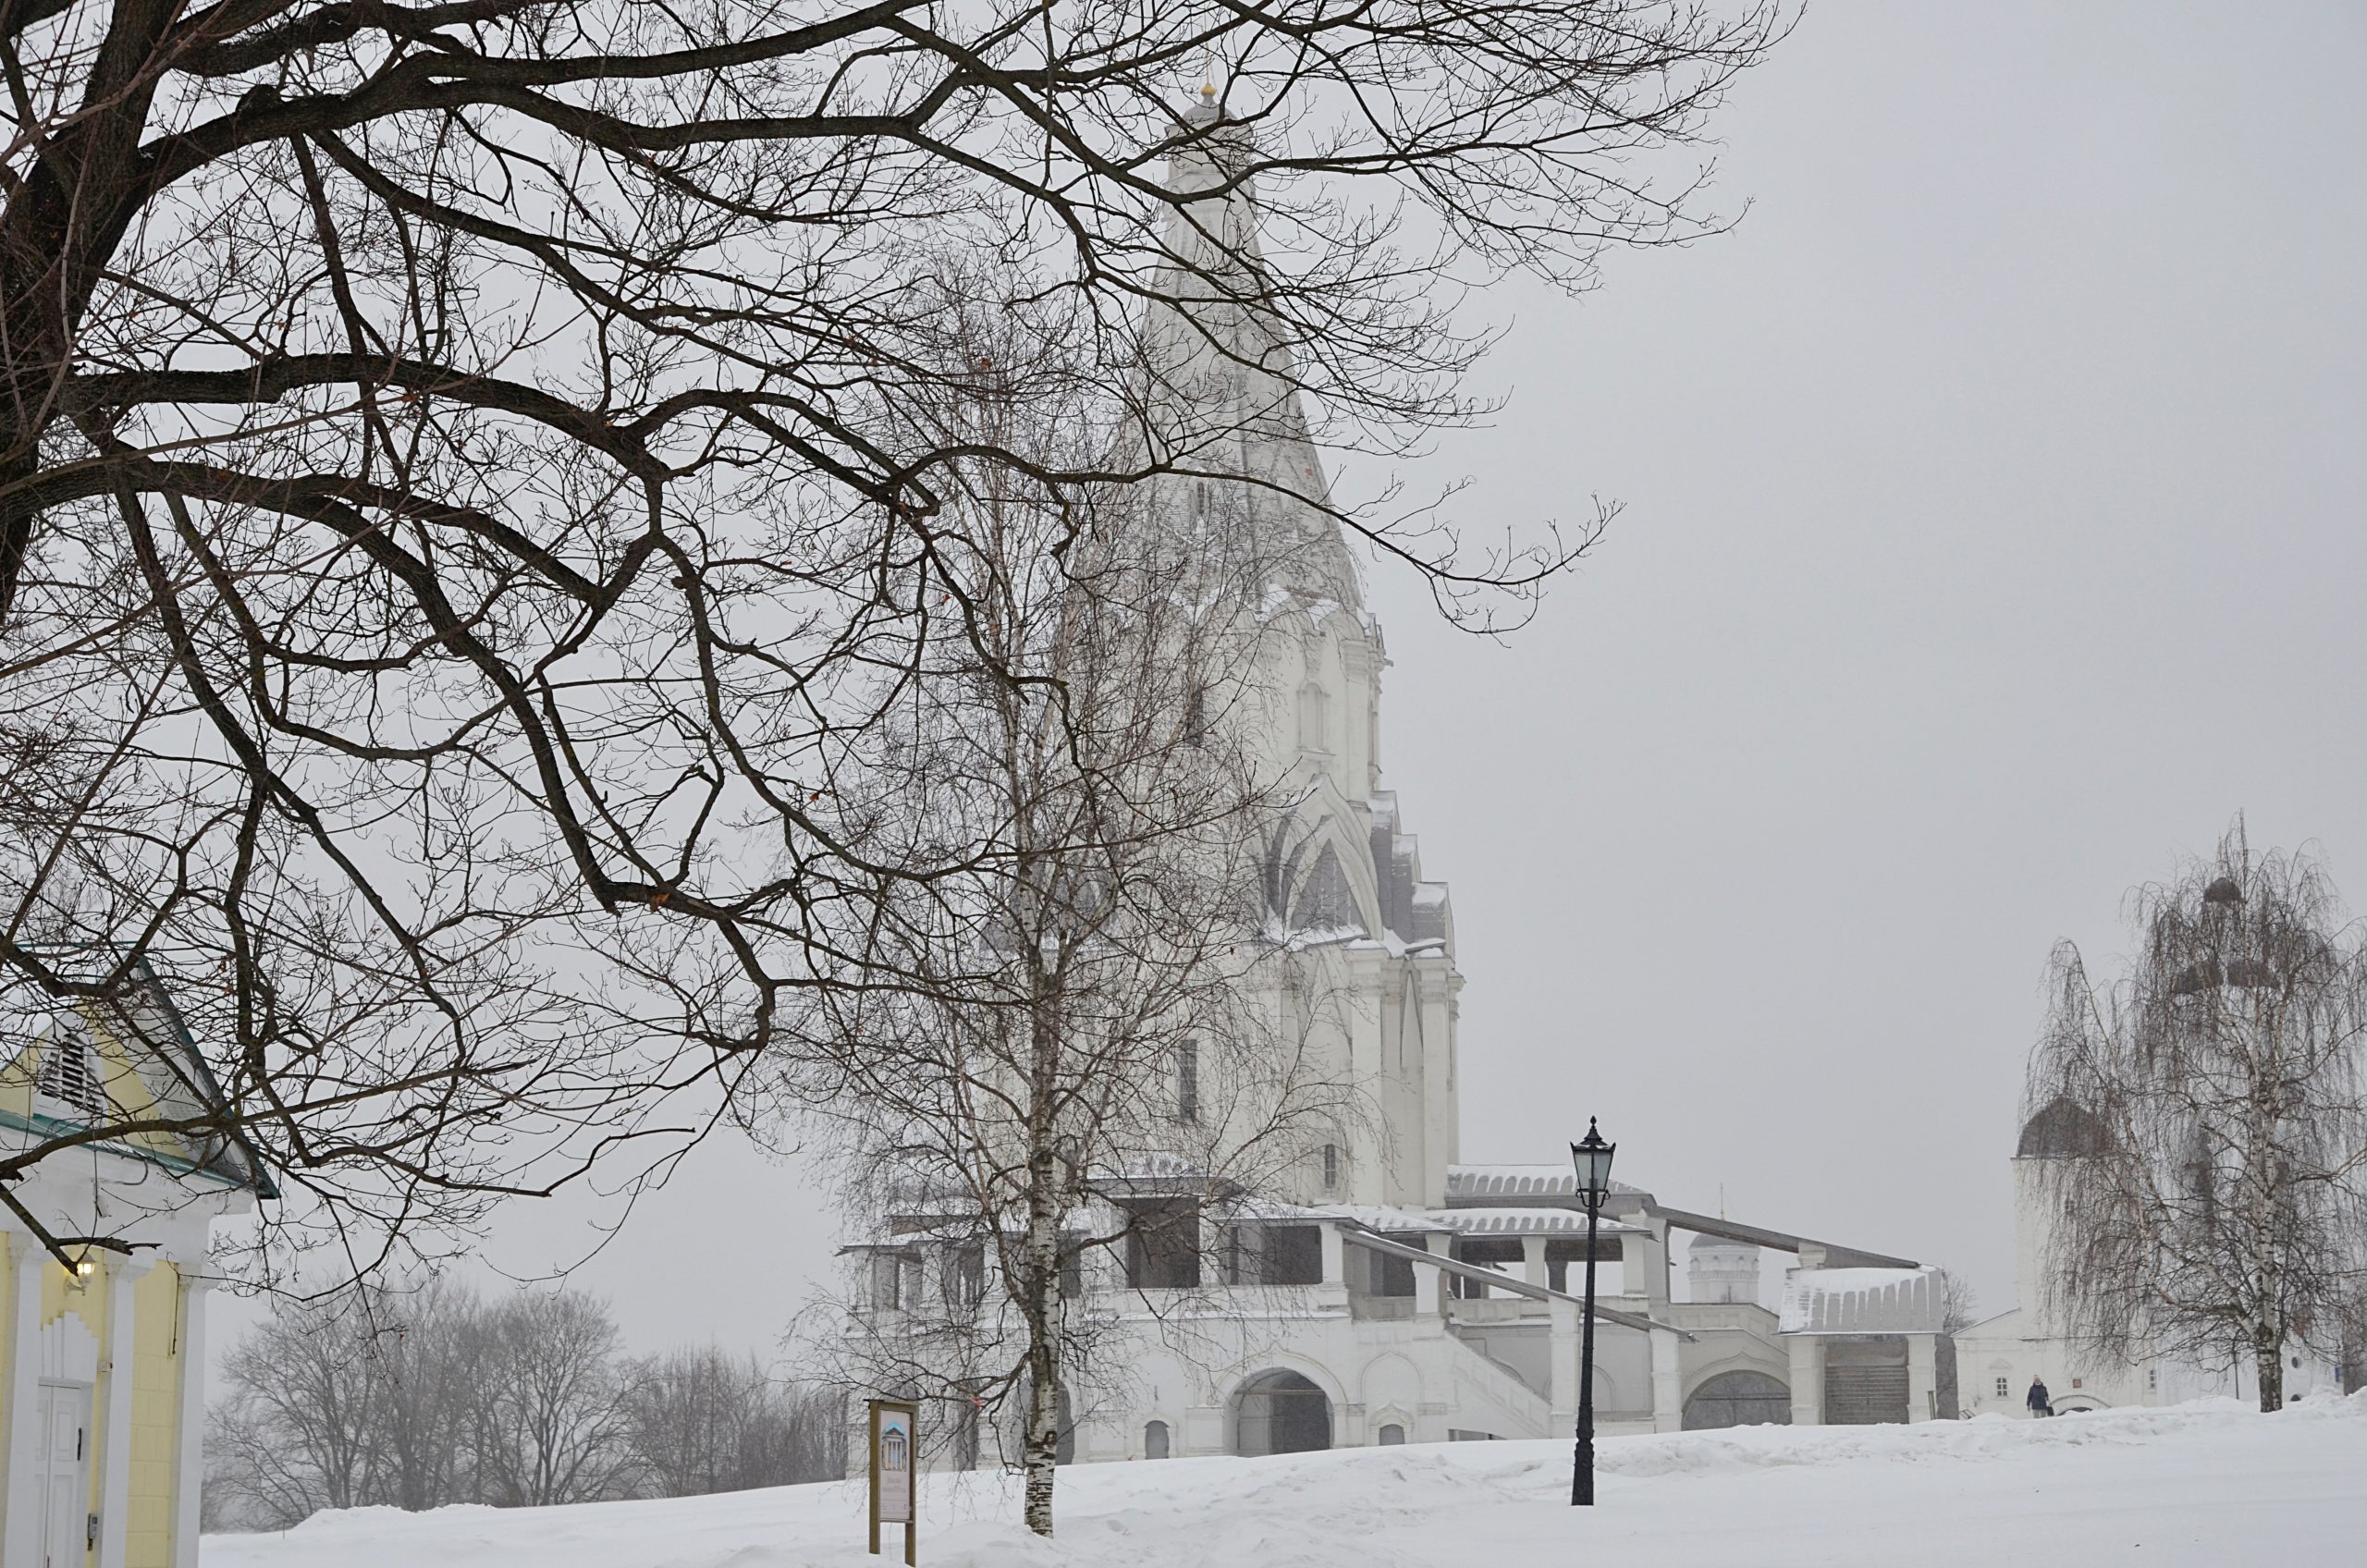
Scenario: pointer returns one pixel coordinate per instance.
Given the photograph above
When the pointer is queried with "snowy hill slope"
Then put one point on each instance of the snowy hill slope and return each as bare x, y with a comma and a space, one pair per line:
2206, 1484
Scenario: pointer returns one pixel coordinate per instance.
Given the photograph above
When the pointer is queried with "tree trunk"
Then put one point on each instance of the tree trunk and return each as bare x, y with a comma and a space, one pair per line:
1046, 1206
2268, 1364
1043, 1450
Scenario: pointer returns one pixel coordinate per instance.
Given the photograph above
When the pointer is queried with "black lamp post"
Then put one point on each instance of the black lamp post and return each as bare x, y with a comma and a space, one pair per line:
1592, 1158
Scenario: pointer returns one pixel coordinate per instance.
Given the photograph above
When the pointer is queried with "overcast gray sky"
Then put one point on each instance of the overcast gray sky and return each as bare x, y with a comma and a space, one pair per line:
1992, 537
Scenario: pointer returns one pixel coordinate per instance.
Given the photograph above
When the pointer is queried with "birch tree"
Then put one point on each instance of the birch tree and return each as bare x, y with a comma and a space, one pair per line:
2207, 1116
1060, 1063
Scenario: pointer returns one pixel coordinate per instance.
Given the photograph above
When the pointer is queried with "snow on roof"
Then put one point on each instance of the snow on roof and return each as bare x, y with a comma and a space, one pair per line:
1374, 1217
1517, 1181
1860, 1300
1524, 1221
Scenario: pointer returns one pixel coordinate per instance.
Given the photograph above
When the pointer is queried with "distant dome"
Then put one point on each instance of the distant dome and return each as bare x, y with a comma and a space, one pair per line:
1708, 1243
2223, 892
1721, 1269
2063, 1130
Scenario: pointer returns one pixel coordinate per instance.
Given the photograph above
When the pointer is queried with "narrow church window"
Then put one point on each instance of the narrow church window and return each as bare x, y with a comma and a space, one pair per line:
1330, 1166
1196, 717
966, 1277
2002, 1391
1313, 721
1187, 1081
887, 1281
1200, 498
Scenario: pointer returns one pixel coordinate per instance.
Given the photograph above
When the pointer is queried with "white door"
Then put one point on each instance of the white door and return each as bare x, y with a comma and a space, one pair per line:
62, 1468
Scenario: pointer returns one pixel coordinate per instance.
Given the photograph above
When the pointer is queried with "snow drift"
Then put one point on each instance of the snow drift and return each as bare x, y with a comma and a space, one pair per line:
2210, 1483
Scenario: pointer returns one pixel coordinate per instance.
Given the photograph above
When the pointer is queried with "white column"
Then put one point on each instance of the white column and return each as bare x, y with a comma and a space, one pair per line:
114, 1463
20, 1525
189, 1429
1430, 1284
1922, 1377
1668, 1383
1564, 1363
1653, 1254
1532, 1261
1808, 1379
1336, 1263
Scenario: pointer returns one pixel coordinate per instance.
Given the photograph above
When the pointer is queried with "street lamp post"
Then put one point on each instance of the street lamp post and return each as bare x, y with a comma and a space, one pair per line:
1592, 1160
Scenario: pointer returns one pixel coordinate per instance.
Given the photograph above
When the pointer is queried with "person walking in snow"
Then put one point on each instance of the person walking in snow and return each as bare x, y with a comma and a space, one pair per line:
2039, 1402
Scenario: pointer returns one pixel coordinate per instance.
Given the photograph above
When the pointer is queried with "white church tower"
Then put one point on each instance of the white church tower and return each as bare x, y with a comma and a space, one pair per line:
1372, 941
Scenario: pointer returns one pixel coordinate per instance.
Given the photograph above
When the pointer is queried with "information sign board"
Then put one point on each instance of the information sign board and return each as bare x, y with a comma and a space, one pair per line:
895, 1468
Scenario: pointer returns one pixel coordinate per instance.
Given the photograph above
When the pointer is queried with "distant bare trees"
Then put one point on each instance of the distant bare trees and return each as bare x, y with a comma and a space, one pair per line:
464, 520
2205, 1120
424, 1398
702, 1421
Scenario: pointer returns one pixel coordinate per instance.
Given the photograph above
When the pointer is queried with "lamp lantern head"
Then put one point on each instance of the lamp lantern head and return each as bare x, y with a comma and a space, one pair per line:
1592, 1160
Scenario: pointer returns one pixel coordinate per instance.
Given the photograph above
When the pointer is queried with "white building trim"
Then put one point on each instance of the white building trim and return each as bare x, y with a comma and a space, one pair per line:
115, 1461
19, 1526
189, 1433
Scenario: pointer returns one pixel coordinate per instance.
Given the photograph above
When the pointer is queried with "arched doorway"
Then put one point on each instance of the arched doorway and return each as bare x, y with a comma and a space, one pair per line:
1155, 1444
1738, 1399
1280, 1413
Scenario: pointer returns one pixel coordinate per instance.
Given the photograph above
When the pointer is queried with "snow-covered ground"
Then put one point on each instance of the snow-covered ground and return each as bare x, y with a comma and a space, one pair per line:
2206, 1484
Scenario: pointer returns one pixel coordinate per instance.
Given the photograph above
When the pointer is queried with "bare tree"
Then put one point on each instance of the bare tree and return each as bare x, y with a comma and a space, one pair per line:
293, 1433
462, 503
1958, 1302
2204, 1121
553, 1415
432, 1362
370, 1397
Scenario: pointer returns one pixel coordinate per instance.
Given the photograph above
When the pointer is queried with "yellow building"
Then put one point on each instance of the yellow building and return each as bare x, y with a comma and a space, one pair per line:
103, 1351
